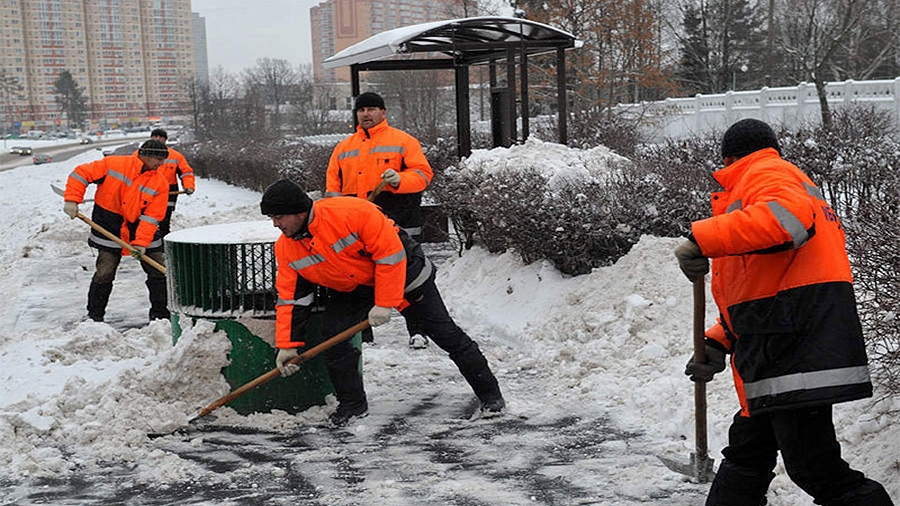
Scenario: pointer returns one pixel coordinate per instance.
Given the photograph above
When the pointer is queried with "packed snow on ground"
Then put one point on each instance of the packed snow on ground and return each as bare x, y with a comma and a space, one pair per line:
77, 399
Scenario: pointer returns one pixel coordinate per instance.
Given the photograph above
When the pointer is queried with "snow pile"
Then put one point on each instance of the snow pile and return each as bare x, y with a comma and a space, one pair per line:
110, 390
558, 163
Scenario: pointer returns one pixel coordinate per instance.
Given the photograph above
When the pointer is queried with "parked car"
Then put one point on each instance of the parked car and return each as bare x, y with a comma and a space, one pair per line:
21, 150
39, 159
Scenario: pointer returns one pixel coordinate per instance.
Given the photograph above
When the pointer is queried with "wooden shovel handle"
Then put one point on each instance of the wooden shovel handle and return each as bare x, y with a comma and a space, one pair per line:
699, 326
118, 240
377, 190
274, 373
700, 429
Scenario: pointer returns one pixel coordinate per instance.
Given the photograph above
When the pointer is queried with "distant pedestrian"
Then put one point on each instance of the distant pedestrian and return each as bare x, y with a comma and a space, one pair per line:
371, 268
781, 279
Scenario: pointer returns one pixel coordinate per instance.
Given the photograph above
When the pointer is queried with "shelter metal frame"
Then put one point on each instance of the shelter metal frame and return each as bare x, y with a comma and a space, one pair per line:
459, 44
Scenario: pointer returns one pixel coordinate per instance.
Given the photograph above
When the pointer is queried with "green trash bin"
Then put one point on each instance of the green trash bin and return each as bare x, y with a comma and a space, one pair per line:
222, 272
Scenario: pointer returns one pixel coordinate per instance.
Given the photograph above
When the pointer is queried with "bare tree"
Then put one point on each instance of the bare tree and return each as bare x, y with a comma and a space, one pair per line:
813, 34
419, 101
217, 101
319, 115
195, 89
621, 57
273, 78
871, 48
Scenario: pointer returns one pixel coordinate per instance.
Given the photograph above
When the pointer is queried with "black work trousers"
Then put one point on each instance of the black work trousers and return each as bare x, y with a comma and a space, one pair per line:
811, 454
165, 226
101, 284
429, 315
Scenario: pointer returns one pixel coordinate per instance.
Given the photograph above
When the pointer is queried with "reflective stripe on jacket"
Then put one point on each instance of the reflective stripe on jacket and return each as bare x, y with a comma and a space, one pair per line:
781, 279
349, 242
359, 160
128, 200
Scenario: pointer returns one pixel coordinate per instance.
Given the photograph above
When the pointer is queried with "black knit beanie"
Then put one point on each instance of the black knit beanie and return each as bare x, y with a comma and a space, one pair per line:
746, 136
154, 149
368, 99
284, 197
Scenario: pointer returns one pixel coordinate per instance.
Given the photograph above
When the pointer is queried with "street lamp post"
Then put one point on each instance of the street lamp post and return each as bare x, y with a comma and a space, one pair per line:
744, 69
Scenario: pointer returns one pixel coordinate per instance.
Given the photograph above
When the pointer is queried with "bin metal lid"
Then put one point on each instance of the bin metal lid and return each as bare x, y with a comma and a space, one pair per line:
247, 232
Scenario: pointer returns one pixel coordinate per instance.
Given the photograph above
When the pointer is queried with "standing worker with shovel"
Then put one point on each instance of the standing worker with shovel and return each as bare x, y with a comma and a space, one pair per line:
130, 201
782, 282
387, 166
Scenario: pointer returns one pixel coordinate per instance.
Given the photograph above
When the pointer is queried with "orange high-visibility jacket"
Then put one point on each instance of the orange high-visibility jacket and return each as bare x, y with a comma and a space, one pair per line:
175, 167
128, 200
358, 161
348, 243
781, 279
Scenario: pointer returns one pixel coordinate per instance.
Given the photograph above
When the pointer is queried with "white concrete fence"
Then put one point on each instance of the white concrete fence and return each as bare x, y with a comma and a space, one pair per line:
795, 105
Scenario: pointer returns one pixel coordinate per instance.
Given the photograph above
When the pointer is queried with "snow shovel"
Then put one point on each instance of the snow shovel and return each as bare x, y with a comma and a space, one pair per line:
700, 466
59, 191
151, 262
274, 373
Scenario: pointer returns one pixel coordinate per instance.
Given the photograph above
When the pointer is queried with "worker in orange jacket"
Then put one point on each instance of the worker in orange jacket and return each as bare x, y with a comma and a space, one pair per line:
782, 282
377, 152
130, 200
370, 268
175, 167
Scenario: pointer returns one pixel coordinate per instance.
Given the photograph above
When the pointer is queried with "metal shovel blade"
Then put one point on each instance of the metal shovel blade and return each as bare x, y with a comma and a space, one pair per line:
698, 469
192, 421
274, 373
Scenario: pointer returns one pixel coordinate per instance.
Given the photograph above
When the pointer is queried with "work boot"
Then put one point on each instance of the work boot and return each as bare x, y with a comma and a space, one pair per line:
493, 407
367, 335
417, 338
159, 298
347, 411
868, 492
418, 342
344, 372
98, 298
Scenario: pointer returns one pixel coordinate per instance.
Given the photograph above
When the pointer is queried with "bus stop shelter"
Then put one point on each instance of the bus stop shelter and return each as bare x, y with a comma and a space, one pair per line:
458, 44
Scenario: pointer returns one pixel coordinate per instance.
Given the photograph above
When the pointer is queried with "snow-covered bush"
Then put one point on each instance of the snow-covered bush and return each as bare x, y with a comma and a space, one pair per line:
579, 209
257, 164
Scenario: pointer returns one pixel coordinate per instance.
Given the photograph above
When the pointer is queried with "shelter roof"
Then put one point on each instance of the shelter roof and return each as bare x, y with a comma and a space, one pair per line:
465, 40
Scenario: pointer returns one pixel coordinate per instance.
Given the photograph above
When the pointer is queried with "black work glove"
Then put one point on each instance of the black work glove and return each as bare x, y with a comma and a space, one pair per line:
704, 371
691, 260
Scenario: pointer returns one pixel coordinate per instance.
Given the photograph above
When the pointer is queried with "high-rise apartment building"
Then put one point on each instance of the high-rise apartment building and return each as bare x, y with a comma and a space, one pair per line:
201, 62
338, 24
131, 57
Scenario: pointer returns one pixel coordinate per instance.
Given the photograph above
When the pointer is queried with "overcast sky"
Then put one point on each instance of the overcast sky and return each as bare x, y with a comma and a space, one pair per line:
238, 32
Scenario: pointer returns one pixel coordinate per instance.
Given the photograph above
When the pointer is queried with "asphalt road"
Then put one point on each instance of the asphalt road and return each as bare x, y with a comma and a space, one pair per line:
61, 152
